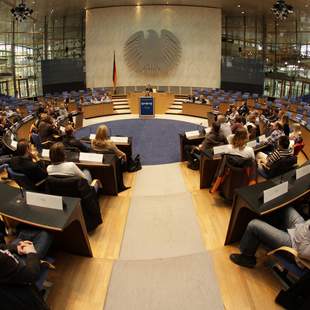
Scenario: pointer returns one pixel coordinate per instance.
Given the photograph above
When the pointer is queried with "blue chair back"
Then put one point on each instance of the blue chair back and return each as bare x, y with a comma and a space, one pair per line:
21, 179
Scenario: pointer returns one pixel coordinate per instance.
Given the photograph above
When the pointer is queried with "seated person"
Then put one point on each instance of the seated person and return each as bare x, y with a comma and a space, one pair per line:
70, 141
285, 123
62, 110
212, 139
243, 109
202, 98
234, 113
292, 231
237, 124
276, 133
60, 167
46, 128
296, 134
273, 116
20, 269
238, 145
265, 162
225, 126
2, 126
26, 161
102, 143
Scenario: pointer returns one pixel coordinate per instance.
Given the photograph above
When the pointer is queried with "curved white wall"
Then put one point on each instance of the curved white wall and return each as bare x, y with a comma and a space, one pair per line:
198, 30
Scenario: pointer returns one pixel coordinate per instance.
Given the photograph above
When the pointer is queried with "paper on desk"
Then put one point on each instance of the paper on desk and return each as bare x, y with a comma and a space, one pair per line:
46, 153
93, 157
44, 200
222, 149
251, 143
119, 140
192, 134
275, 191
14, 143
302, 171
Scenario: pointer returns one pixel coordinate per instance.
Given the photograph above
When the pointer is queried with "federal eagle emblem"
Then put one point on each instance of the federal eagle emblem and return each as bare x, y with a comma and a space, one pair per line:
152, 54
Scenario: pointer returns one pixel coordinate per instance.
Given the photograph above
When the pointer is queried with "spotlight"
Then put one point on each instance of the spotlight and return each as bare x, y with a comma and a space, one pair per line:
21, 12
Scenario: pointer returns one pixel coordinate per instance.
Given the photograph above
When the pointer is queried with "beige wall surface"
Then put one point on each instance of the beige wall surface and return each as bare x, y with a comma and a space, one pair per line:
198, 30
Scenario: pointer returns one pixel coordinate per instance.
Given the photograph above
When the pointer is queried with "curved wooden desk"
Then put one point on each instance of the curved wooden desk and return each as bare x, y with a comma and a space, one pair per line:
97, 109
248, 203
68, 224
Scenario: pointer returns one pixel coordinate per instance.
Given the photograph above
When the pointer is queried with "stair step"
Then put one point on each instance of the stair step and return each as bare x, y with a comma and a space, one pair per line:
119, 98
120, 102
123, 111
172, 111
176, 108
120, 106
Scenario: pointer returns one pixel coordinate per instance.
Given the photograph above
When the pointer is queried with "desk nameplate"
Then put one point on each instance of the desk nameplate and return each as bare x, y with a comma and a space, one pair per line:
275, 191
301, 172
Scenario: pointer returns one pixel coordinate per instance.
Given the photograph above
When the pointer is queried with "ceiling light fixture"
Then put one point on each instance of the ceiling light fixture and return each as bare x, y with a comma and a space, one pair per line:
281, 10
21, 12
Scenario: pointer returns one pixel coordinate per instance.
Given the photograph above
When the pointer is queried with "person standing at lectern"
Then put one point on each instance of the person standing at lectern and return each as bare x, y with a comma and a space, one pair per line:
148, 90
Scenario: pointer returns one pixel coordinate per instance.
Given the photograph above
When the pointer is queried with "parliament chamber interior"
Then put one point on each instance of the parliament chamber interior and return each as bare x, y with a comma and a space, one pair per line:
154, 154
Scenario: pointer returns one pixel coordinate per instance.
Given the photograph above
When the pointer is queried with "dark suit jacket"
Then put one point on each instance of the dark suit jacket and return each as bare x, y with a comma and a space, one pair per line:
16, 277
46, 130
24, 164
71, 141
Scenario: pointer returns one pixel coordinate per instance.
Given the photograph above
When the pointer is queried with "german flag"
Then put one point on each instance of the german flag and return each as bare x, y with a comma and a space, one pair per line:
114, 78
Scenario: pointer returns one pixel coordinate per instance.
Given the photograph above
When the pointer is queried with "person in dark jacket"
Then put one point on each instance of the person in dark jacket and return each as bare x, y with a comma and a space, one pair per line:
20, 269
46, 129
70, 141
28, 162
213, 138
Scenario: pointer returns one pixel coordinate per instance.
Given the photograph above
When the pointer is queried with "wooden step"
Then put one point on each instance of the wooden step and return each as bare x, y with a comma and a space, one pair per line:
174, 111
124, 111
126, 106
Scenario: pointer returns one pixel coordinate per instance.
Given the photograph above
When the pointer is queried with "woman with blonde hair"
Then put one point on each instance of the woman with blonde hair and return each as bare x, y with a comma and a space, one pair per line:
102, 143
238, 145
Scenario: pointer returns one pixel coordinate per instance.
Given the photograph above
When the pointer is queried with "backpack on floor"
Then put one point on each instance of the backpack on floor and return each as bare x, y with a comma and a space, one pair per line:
134, 164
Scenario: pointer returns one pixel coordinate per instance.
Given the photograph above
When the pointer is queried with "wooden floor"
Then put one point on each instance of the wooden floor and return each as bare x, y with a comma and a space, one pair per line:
81, 283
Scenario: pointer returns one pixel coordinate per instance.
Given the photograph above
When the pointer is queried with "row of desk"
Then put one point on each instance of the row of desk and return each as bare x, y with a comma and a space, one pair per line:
69, 222
68, 225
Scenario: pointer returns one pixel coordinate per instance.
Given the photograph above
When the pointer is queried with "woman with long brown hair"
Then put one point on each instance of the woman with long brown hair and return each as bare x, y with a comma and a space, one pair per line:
238, 145
102, 143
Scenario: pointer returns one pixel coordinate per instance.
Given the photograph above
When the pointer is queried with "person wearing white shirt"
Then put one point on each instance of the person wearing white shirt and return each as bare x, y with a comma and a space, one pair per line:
225, 127
59, 167
238, 145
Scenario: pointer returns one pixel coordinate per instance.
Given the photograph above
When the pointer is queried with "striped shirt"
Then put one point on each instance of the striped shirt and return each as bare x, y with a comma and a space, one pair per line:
277, 155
